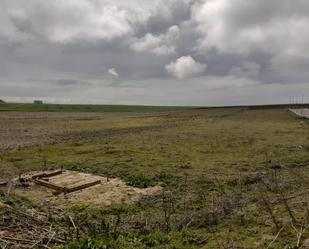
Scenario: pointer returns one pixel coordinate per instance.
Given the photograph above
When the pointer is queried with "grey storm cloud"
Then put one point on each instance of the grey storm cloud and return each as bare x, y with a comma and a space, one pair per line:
196, 52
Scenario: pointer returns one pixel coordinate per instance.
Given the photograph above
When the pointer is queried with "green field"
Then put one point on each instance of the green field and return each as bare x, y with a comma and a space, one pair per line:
27, 107
85, 108
233, 177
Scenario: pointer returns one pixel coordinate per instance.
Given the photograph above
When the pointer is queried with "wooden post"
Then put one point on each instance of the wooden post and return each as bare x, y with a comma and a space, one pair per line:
44, 175
49, 185
83, 186
77, 188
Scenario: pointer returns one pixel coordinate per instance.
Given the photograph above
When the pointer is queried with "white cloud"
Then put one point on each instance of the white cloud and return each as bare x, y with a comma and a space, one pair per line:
163, 44
248, 26
185, 66
70, 20
91, 20
113, 72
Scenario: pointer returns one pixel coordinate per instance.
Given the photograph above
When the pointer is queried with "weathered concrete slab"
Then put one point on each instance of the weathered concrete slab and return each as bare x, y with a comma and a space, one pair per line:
304, 112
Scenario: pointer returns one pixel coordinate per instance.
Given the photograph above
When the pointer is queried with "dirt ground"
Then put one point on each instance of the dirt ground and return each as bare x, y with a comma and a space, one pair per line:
112, 191
28, 129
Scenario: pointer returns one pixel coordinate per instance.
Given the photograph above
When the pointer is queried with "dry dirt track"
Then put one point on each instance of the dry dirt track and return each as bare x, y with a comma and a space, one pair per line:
23, 129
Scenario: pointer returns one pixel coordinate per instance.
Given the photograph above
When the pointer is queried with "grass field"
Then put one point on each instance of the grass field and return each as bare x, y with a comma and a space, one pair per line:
85, 108
27, 107
233, 177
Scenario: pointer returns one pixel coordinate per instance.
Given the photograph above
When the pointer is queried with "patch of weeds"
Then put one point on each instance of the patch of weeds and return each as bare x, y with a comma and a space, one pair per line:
249, 179
211, 186
117, 209
195, 238
15, 159
138, 181
74, 166
165, 178
76, 209
77, 144
13, 200
155, 239
109, 239
144, 181
86, 243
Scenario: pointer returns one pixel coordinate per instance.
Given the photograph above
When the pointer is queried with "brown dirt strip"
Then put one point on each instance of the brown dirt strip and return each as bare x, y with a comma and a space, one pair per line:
84, 136
27, 130
91, 135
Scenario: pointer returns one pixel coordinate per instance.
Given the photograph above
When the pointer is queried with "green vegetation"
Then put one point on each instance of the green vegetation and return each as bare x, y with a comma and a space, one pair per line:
221, 141
234, 178
28, 107
145, 181
85, 108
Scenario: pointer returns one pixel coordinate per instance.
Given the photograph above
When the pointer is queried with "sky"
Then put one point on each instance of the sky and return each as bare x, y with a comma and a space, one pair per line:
155, 52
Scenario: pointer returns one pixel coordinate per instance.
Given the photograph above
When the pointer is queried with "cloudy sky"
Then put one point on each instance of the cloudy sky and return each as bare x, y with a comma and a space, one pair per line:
154, 52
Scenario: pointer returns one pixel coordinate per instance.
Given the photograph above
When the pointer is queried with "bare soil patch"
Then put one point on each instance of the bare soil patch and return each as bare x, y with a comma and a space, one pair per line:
108, 192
